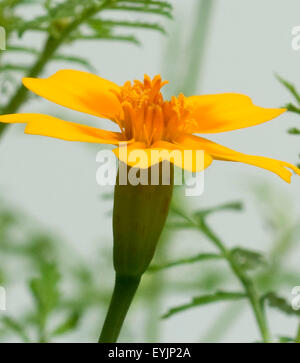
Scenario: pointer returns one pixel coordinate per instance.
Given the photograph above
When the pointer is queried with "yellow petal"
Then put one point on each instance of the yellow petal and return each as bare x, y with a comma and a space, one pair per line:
45, 125
226, 112
134, 155
219, 152
137, 155
182, 157
79, 91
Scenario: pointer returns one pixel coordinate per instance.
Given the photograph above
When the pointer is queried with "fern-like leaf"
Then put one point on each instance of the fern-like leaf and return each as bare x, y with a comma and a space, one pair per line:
219, 296
110, 24
186, 261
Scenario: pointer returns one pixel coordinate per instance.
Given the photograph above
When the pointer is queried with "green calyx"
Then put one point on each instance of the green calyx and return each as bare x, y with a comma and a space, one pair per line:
140, 213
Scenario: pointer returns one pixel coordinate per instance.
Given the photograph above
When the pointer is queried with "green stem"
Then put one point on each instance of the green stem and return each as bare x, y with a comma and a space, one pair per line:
124, 291
51, 45
202, 19
246, 282
297, 340
20, 96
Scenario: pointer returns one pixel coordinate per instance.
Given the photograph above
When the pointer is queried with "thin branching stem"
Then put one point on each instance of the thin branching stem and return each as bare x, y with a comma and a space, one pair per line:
246, 281
52, 44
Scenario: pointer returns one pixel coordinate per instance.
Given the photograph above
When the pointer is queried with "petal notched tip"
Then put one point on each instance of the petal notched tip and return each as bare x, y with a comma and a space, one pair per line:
291, 169
281, 168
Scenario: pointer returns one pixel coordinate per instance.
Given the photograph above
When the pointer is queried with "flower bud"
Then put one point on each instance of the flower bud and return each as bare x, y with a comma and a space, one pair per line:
139, 215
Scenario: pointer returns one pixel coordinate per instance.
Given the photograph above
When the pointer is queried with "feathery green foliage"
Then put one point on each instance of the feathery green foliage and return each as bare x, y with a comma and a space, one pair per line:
184, 261
280, 303
291, 107
64, 22
218, 296
53, 313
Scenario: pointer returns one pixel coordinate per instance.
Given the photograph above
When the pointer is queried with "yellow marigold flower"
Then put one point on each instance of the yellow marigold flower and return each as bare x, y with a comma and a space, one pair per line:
146, 120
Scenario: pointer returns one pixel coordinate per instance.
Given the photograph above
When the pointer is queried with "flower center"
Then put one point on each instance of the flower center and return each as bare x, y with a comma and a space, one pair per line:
177, 118
146, 116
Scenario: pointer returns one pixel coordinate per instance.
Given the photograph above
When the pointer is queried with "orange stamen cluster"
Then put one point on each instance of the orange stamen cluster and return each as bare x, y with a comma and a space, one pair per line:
146, 116
177, 118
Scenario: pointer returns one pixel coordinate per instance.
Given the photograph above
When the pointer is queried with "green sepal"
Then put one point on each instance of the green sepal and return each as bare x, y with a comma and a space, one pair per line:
140, 213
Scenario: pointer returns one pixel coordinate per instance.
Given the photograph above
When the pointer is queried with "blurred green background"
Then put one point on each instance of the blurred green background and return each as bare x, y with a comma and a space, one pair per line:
55, 221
